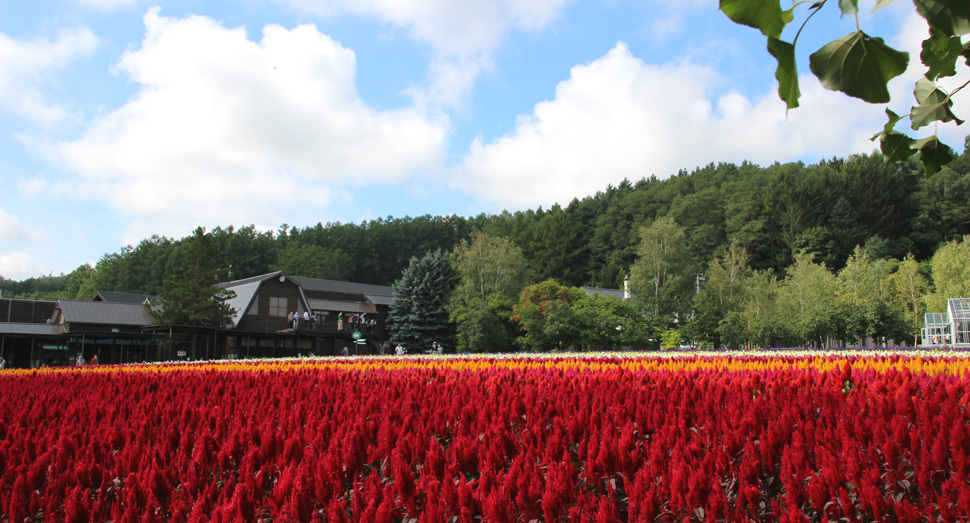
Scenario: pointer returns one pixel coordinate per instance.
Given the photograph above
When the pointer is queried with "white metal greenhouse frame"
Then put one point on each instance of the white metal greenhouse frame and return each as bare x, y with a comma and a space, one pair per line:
950, 328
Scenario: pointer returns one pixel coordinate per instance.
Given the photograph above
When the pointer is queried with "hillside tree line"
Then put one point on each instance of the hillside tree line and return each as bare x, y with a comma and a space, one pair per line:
702, 246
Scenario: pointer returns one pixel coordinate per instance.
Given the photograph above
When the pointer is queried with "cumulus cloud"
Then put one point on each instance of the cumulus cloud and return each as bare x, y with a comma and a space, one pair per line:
461, 34
25, 68
228, 130
618, 117
18, 265
11, 229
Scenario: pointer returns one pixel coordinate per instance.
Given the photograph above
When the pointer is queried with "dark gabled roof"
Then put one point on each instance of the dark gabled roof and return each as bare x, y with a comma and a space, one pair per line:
26, 311
379, 294
363, 306
122, 297
104, 313
30, 329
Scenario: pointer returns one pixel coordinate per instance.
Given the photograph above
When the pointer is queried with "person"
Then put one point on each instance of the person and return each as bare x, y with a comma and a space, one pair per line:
441, 348
399, 350
296, 320
384, 348
346, 351
289, 318
94, 359
340, 321
306, 319
3, 363
313, 321
80, 360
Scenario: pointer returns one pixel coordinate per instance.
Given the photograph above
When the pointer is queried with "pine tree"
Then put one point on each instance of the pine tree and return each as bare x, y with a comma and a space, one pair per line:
418, 317
194, 298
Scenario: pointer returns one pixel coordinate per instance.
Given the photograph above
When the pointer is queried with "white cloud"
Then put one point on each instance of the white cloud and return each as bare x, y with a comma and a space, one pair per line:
26, 65
619, 117
451, 27
18, 265
461, 34
11, 229
667, 17
107, 5
228, 130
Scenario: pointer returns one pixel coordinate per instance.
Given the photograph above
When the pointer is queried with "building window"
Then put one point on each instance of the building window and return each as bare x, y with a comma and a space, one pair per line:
277, 307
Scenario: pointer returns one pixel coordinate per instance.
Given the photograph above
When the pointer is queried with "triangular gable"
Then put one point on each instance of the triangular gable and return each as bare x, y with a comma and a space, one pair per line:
248, 289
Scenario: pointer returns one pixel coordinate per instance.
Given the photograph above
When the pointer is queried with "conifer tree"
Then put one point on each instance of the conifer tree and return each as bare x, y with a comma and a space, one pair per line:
194, 298
418, 317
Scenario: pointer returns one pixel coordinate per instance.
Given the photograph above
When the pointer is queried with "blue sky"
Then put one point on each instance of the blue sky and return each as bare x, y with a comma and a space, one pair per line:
120, 119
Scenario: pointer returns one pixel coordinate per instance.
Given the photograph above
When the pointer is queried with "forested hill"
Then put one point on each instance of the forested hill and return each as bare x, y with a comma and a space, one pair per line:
772, 212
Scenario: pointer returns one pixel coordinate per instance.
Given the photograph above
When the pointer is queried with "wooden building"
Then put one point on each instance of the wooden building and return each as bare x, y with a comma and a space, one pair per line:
263, 304
351, 318
26, 332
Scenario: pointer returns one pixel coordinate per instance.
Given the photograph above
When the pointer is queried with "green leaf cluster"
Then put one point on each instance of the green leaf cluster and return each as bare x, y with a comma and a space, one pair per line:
861, 66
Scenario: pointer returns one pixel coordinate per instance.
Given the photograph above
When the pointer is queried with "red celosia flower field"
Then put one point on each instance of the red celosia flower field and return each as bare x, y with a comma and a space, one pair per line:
600, 439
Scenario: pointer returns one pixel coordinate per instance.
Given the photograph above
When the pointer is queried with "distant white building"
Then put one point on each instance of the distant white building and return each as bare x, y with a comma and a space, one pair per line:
623, 295
950, 328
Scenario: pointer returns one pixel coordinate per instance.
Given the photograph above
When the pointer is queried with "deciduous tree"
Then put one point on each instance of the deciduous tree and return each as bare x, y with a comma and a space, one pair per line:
951, 274
663, 275
865, 300
807, 299
537, 311
910, 287
491, 272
